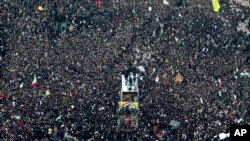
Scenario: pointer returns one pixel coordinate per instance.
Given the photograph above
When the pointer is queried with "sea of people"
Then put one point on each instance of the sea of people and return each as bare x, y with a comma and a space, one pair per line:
78, 51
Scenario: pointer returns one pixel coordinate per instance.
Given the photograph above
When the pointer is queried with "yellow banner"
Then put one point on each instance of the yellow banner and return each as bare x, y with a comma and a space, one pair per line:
128, 104
121, 104
136, 104
216, 5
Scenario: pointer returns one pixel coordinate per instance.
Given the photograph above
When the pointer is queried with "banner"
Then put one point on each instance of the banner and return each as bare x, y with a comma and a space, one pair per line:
134, 105
216, 5
39, 8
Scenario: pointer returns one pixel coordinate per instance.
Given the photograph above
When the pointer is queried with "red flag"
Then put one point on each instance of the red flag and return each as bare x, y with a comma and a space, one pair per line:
99, 3
20, 124
159, 133
220, 82
1, 96
34, 82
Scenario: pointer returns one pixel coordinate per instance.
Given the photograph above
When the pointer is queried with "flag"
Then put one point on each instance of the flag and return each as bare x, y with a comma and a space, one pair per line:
178, 78
216, 5
70, 94
174, 123
201, 100
39, 8
165, 2
247, 23
157, 79
159, 133
34, 82
99, 3
141, 68
149, 8
20, 11
235, 97
50, 131
21, 85
71, 28
219, 93
136, 104
220, 82
121, 104
59, 118
20, 124
17, 117
223, 136
47, 93
120, 23
1, 96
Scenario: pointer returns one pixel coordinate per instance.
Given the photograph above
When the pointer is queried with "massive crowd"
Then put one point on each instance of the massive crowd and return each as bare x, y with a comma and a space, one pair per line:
78, 52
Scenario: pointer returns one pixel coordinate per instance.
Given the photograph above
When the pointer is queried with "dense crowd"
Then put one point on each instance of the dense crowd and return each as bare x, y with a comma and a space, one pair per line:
78, 51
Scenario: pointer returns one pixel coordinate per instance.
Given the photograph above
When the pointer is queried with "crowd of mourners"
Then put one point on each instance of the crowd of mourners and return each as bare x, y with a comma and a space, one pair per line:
78, 50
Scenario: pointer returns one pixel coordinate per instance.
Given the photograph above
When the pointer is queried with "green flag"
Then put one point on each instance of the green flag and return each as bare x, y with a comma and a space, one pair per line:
47, 93
246, 22
59, 118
